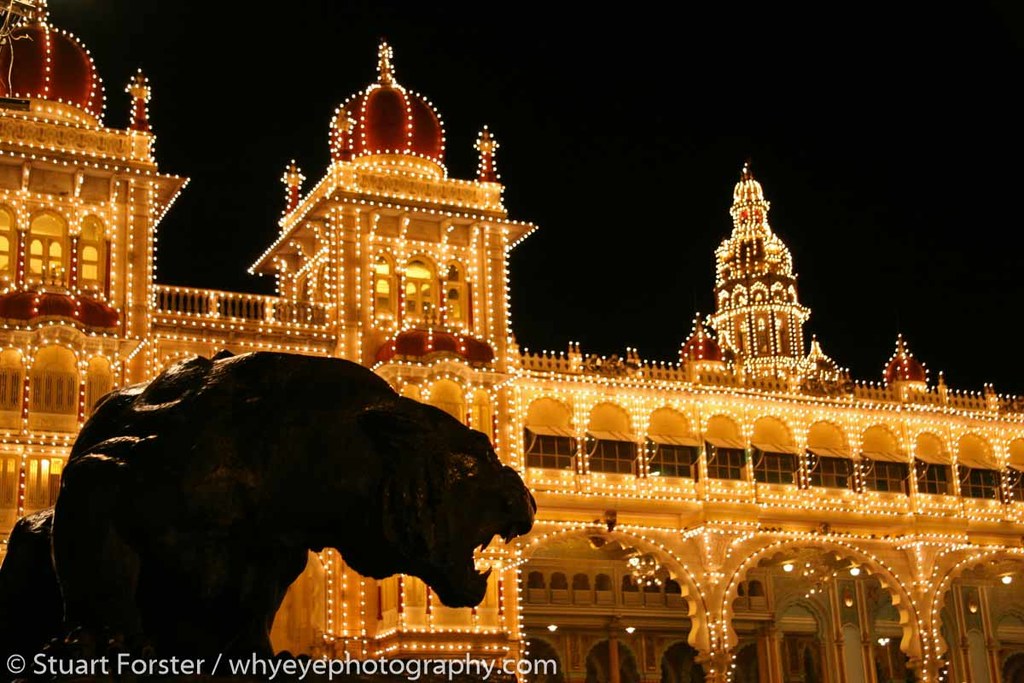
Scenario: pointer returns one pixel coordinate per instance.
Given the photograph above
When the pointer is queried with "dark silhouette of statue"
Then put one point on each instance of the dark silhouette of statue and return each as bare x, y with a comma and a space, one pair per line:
188, 505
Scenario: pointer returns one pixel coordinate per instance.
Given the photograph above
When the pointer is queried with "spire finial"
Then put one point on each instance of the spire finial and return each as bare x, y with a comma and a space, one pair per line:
746, 173
748, 191
486, 145
138, 88
385, 69
42, 12
292, 180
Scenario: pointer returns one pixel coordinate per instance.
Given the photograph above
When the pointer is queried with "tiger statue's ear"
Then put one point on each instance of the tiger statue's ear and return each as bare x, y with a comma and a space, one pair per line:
223, 353
390, 426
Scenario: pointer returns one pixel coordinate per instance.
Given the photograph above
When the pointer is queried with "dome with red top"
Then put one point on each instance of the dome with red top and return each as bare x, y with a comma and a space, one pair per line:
39, 61
386, 119
418, 343
903, 367
701, 346
23, 306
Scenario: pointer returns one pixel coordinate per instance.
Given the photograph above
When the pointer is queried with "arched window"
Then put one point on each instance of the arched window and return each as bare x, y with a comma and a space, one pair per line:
98, 382
54, 384
603, 582
455, 300
611, 445
10, 380
91, 252
828, 457
580, 582
8, 243
979, 476
884, 465
932, 465
46, 250
725, 448
774, 452
383, 288
762, 335
559, 582
420, 290
535, 580
447, 395
675, 450
549, 440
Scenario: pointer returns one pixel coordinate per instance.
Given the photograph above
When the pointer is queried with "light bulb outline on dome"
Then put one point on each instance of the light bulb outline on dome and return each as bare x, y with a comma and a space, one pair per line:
386, 122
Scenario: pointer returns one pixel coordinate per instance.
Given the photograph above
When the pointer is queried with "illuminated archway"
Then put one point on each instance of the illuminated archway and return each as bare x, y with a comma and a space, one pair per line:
694, 601
952, 565
782, 550
448, 396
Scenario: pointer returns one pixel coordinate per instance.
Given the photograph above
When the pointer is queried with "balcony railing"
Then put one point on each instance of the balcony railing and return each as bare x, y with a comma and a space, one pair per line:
255, 308
631, 367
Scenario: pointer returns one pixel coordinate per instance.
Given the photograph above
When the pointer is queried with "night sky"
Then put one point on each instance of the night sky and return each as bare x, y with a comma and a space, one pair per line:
888, 141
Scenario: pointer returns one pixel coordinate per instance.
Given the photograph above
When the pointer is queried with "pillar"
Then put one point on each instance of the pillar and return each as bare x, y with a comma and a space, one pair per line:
772, 660
22, 255
613, 657
991, 642
73, 260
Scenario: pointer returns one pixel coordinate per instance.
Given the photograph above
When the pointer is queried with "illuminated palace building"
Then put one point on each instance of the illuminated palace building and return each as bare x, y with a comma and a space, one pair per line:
746, 513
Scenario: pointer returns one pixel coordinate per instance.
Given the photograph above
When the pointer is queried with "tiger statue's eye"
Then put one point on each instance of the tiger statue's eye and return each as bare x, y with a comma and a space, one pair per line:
465, 465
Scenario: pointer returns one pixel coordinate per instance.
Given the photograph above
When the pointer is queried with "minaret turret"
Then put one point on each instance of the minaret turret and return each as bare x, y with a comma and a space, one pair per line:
757, 310
904, 372
486, 145
138, 88
292, 180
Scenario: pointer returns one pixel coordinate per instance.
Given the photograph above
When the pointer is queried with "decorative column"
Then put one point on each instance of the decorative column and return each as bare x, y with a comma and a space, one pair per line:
991, 642
486, 145
769, 653
73, 260
864, 626
292, 180
613, 655
22, 255
959, 651
106, 270
138, 88
81, 397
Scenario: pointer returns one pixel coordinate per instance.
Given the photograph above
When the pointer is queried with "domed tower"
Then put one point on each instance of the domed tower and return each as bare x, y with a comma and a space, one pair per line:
700, 355
757, 311
904, 372
50, 70
410, 262
387, 125
79, 206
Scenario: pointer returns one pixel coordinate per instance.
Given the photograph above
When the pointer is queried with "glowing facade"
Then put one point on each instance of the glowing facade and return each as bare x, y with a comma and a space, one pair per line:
748, 511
